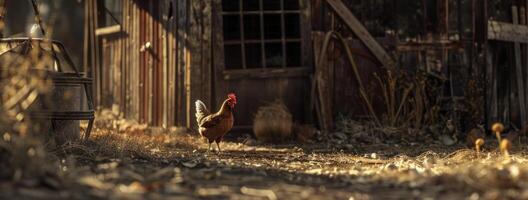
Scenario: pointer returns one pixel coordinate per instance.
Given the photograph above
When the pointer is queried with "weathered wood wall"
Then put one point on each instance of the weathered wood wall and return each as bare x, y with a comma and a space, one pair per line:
170, 53
505, 60
146, 68
158, 85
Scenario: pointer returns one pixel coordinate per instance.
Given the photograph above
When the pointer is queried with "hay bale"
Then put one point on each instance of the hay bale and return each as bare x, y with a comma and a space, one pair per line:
273, 123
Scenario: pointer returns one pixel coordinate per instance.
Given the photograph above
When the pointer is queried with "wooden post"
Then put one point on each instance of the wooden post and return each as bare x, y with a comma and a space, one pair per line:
519, 71
183, 60
200, 44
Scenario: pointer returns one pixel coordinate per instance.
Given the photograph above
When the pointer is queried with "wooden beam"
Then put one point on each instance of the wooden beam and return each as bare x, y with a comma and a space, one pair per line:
519, 71
424, 46
108, 30
508, 32
266, 73
361, 32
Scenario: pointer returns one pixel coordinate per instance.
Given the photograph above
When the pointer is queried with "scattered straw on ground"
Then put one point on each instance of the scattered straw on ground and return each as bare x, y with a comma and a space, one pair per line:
165, 164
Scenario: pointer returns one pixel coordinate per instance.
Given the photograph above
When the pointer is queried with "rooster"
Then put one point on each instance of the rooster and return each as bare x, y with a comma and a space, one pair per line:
214, 126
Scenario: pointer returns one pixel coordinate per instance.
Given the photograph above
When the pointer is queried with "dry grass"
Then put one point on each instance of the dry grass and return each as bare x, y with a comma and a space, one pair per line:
410, 100
22, 149
273, 123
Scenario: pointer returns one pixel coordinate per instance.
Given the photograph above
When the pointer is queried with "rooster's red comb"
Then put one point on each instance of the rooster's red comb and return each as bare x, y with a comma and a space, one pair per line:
231, 96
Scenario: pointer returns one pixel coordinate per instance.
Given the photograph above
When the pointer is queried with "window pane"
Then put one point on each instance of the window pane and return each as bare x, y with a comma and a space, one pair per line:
230, 5
251, 27
271, 4
253, 55
272, 26
233, 56
115, 9
274, 54
231, 27
251, 5
292, 25
293, 54
291, 4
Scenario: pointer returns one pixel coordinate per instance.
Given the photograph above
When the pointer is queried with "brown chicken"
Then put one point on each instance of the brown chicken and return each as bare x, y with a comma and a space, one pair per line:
214, 126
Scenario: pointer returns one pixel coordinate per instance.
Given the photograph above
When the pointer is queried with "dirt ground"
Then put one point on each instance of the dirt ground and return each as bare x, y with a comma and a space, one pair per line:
139, 165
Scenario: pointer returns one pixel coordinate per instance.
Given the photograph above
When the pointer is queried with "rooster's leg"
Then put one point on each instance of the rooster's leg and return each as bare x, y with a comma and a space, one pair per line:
209, 149
218, 145
218, 140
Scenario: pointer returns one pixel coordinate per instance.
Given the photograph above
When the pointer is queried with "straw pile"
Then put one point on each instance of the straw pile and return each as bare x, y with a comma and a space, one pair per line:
273, 123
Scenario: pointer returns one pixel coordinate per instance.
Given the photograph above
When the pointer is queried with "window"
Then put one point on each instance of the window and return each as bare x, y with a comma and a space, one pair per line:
113, 12
261, 34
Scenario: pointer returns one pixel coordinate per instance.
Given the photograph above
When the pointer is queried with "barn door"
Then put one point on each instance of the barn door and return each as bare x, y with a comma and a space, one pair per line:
262, 53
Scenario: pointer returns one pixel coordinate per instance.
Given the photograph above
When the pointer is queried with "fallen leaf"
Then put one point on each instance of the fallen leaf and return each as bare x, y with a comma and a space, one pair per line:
259, 192
190, 164
95, 183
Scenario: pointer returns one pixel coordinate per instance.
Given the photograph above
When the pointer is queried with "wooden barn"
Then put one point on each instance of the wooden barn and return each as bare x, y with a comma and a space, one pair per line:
153, 59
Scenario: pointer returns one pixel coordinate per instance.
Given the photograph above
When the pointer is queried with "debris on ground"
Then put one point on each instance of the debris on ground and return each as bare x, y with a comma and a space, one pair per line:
119, 163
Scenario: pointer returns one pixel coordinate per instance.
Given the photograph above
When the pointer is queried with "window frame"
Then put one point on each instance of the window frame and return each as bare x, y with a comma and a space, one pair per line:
111, 22
264, 71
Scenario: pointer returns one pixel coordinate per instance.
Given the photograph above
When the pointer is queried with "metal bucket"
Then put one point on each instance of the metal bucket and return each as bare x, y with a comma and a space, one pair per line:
57, 113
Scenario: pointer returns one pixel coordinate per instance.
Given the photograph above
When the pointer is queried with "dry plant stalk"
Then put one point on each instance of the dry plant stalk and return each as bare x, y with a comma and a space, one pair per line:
406, 100
21, 147
389, 89
23, 153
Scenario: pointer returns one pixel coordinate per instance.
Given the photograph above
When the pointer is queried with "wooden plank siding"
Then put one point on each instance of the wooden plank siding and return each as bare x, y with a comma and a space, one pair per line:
185, 62
146, 81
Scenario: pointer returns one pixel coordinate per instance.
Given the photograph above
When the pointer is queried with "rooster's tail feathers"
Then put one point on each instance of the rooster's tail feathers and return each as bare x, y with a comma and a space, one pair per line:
201, 110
